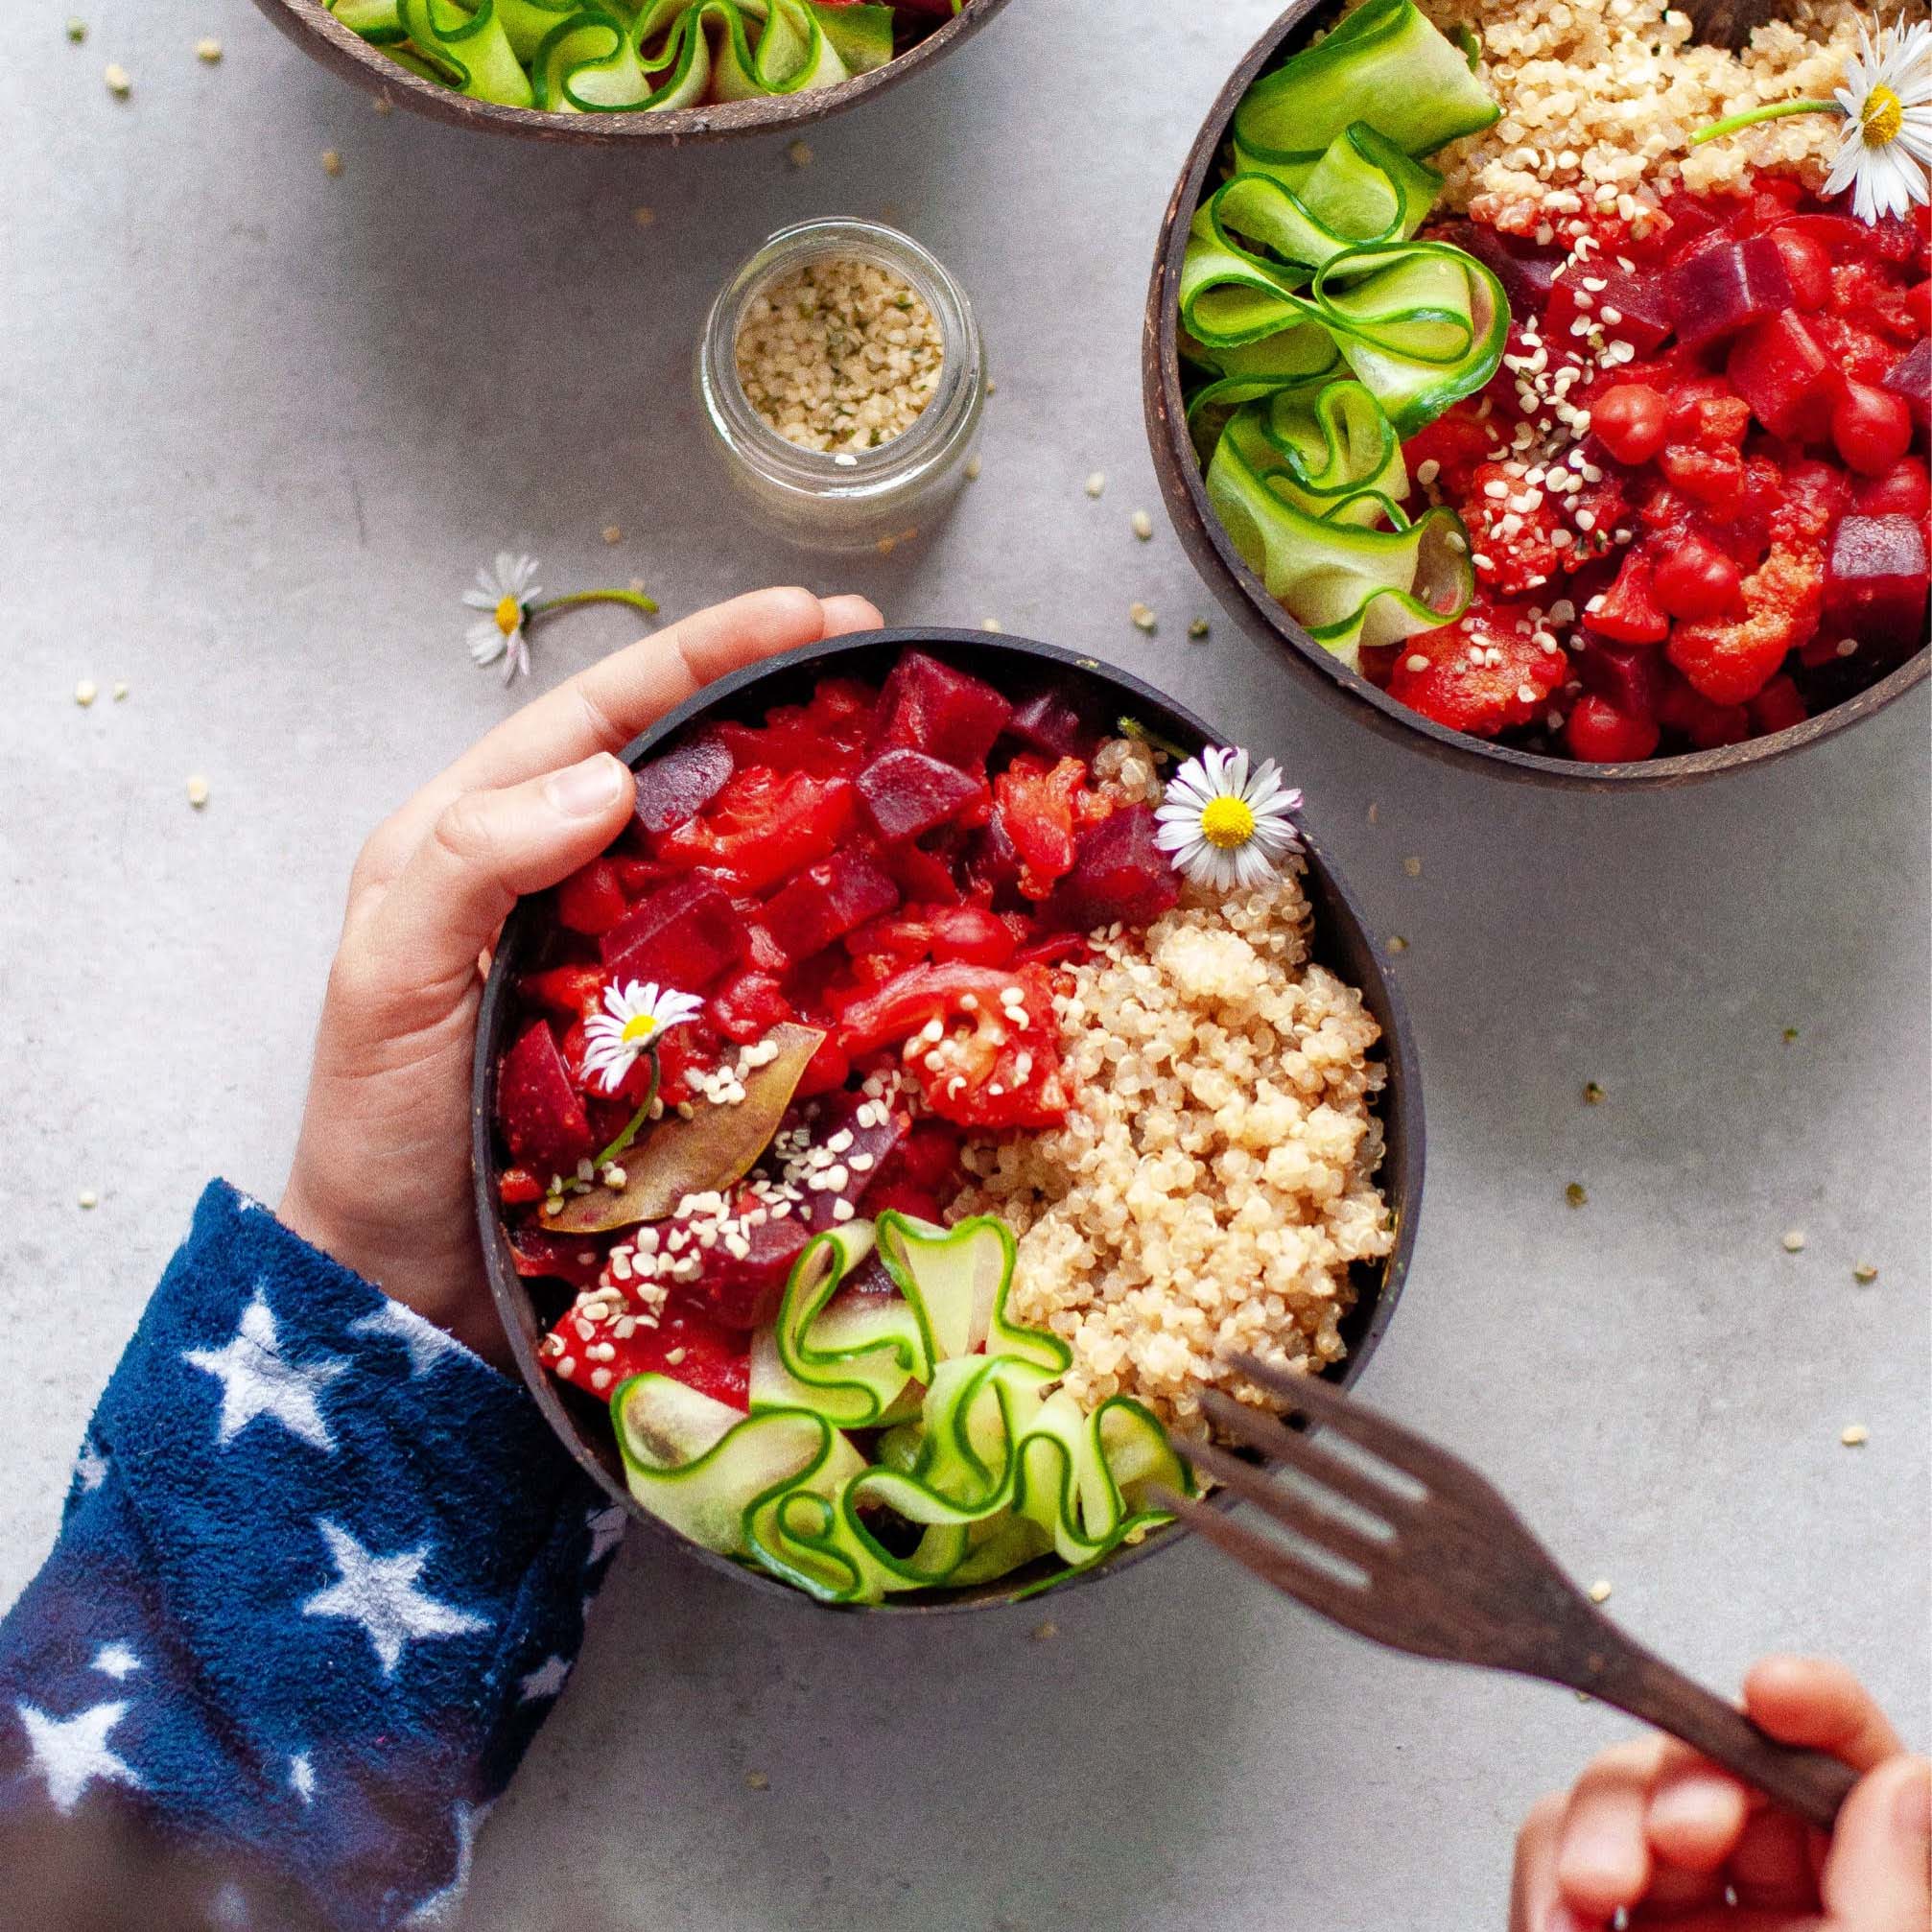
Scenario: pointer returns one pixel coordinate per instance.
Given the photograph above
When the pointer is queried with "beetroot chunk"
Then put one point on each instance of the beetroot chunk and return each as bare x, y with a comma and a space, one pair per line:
540, 1115
1630, 308
685, 935
1727, 287
743, 1291
1119, 873
674, 789
1876, 582
826, 900
939, 711
905, 793
1912, 378
1050, 722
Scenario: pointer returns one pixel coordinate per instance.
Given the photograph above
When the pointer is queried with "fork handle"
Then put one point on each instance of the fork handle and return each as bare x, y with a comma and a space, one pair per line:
1626, 1675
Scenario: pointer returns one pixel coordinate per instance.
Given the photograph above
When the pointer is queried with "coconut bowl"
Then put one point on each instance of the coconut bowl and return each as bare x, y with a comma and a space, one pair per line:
1242, 593
1016, 666
312, 28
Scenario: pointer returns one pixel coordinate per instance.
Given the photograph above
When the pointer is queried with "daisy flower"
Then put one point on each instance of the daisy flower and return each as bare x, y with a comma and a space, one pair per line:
1223, 826
506, 592
1886, 148
633, 1019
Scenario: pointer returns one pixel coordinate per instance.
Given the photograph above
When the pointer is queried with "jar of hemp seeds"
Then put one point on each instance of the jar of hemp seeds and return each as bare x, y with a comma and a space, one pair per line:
842, 376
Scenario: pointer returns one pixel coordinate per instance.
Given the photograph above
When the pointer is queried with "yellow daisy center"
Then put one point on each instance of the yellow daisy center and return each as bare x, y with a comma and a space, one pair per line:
638, 1030
1883, 117
508, 614
1227, 822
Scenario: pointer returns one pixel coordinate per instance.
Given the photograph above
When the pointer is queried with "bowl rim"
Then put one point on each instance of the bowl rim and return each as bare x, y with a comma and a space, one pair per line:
1340, 927
1240, 591
319, 32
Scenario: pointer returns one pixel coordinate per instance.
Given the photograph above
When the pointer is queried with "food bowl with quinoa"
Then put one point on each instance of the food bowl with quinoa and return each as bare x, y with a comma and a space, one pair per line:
881, 1146
1555, 389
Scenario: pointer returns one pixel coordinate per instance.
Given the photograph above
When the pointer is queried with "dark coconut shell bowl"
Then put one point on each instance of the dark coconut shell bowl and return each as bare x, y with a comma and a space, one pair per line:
1243, 594
1018, 668
313, 28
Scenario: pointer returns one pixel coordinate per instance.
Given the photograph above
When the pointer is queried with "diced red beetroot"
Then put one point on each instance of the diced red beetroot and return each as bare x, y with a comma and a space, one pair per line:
536, 1255
678, 786
1777, 366
993, 861
685, 935
541, 1118
1778, 706
1119, 873
749, 1005
1876, 582
1050, 722
591, 900
905, 793
1912, 379
1727, 287
938, 710
1638, 304
826, 900
742, 1291
875, 1142
1629, 676
1524, 270
923, 875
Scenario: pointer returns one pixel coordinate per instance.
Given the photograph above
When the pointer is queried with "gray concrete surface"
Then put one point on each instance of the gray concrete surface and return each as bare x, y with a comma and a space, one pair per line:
260, 425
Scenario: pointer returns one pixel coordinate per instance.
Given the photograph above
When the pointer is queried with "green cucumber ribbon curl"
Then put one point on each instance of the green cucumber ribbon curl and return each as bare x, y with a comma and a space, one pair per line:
624, 56
979, 1452
1323, 332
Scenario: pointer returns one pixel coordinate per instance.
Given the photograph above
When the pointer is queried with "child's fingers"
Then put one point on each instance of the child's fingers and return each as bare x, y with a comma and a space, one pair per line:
1603, 1862
1815, 1701
1696, 1814
1773, 1864
484, 852
1532, 1891
1877, 1875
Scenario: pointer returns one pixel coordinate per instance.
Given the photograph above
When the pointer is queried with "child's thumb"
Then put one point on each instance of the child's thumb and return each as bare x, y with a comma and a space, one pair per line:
1877, 1875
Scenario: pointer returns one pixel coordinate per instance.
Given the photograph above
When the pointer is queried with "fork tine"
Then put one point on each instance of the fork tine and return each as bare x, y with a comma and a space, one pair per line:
1304, 1454
1308, 1520
1274, 1563
1366, 1428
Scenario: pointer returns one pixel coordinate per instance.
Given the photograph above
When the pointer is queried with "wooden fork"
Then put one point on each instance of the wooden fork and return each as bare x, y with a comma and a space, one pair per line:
1430, 1559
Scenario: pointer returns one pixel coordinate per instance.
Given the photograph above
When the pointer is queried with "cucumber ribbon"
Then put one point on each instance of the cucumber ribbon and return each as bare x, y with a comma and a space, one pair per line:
617, 56
981, 1452
1326, 333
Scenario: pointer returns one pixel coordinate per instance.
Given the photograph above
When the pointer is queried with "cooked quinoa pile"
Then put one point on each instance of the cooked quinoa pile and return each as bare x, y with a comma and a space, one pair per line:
1216, 1177
1600, 97
842, 356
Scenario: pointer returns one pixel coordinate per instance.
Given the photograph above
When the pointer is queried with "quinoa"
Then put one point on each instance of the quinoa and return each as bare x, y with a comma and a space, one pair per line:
1216, 1176
844, 355
1600, 97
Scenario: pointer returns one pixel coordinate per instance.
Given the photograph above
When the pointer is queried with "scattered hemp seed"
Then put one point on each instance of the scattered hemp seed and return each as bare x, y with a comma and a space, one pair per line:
119, 83
1144, 617
120, 691
613, 533
384, 104
799, 153
209, 51
644, 216
1097, 484
1198, 629
1413, 867
1599, 1591
1791, 1036
1865, 1274
1854, 1435
1143, 525
88, 1198
198, 790
973, 467
1794, 1241
1396, 943
76, 31
85, 693
332, 162
757, 1781
1045, 1633
991, 623
1592, 1094
1575, 1194
1375, 813
991, 388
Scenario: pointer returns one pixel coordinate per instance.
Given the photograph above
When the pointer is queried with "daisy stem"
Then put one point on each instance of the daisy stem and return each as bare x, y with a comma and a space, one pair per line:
636, 1120
1132, 727
634, 598
1750, 118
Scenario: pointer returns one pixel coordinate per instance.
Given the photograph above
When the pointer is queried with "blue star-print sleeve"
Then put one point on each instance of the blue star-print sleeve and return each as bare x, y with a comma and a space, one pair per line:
321, 1575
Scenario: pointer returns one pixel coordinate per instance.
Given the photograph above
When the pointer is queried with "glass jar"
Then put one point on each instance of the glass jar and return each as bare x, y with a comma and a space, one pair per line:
852, 499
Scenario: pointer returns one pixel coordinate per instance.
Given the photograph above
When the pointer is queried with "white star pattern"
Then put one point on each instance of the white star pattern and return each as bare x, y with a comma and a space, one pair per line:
257, 1380
426, 1343
228, 1908
380, 1593
71, 1753
439, 1908
606, 1532
116, 1661
302, 1777
547, 1679
90, 1465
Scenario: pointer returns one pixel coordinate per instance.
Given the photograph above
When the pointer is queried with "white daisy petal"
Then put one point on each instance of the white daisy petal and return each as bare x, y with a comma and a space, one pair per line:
1218, 847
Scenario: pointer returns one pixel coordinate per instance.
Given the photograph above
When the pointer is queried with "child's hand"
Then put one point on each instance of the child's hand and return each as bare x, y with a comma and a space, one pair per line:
382, 1172
1653, 1829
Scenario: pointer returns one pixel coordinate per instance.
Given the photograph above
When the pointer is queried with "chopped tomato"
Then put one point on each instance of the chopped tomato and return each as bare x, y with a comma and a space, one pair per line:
518, 1188
825, 736
916, 933
684, 1343
591, 900
1038, 804
749, 1005
764, 826
1730, 659
1487, 672
576, 990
